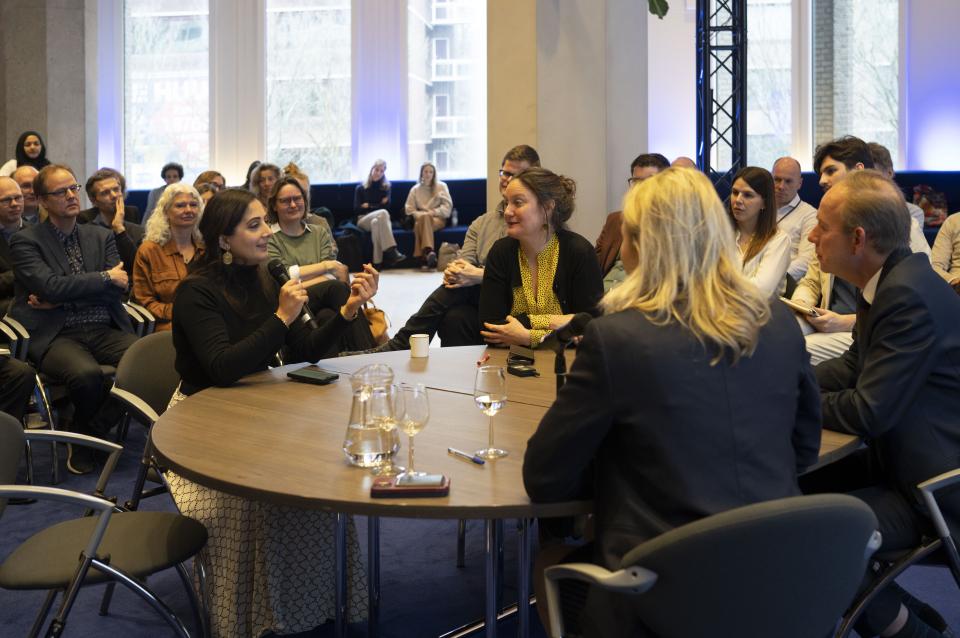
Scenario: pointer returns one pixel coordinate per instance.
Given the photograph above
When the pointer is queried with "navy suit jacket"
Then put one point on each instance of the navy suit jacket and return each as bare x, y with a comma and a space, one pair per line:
898, 385
672, 438
42, 269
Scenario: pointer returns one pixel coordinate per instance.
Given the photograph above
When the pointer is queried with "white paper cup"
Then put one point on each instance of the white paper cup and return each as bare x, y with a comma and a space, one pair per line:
419, 346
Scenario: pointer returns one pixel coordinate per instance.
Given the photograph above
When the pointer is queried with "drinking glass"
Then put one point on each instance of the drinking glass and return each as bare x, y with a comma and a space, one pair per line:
490, 393
384, 411
413, 418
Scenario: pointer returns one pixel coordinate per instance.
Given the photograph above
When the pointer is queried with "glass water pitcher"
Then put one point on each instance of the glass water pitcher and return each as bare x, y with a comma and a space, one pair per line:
372, 438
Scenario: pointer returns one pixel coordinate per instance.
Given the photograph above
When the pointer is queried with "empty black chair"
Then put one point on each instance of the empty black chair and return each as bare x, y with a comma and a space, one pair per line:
785, 568
109, 546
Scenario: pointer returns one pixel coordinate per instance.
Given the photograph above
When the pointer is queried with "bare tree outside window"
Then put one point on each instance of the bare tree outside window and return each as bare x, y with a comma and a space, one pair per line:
859, 93
166, 88
308, 86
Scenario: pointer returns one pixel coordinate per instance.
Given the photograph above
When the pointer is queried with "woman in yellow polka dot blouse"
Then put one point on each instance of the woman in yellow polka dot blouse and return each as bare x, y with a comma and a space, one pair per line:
541, 274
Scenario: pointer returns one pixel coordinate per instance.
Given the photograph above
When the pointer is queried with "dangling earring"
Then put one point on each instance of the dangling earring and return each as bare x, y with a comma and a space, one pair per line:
226, 257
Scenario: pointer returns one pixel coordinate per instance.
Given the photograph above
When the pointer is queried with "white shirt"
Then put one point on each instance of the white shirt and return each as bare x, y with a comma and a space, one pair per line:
870, 289
916, 212
797, 219
767, 269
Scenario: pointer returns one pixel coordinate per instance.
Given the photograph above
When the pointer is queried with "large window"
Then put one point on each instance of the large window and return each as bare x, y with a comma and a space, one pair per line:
166, 89
308, 86
447, 87
855, 68
769, 81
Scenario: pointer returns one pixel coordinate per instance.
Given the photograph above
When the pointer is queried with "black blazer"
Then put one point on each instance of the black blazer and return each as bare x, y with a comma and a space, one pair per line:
898, 385
6, 273
41, 268
577, 283
671, 438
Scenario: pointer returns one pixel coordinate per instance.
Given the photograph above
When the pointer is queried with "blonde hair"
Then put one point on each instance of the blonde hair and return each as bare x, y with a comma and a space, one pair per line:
158, 226
384, 183
688, 269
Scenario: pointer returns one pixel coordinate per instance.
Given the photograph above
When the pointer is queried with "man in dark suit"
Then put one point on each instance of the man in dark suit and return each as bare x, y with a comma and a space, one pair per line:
105, 190
11, 221
69, 282
898, 386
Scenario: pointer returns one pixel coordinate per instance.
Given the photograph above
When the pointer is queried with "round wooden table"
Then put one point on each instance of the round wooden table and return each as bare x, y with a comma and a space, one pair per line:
273, 440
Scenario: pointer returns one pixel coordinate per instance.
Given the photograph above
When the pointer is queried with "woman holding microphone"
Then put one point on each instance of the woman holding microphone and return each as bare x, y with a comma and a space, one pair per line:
267, 566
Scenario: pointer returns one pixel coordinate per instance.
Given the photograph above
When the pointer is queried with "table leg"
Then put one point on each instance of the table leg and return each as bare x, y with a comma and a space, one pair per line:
500, 564
340, 574
523, 580
373, 576
490, 545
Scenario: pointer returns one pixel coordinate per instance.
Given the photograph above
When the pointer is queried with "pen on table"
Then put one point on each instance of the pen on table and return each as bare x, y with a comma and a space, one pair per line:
463, 455
482, 360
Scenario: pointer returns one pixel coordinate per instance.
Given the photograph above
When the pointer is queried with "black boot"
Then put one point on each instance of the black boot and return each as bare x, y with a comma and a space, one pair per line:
392, 256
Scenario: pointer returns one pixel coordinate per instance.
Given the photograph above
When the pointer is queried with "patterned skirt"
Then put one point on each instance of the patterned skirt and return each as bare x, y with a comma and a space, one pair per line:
270, 568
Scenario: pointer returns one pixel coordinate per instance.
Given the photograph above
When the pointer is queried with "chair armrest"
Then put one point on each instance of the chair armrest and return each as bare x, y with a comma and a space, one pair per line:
135, 405
927, 489
87, 441
630, 580
92, 503
22, 337
56, 494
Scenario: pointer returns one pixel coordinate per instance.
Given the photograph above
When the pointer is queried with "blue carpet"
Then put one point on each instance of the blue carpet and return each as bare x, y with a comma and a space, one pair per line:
424, 594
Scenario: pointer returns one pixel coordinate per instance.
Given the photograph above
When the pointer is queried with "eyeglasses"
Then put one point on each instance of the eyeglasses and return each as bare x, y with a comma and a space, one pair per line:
296, 200
634, 180
507, 174
6, 201
62, 192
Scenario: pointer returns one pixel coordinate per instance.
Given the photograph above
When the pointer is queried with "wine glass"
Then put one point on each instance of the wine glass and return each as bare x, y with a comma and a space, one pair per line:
412, 418
490, 393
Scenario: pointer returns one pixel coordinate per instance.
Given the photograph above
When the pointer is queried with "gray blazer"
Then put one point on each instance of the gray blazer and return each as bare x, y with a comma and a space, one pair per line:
42, 269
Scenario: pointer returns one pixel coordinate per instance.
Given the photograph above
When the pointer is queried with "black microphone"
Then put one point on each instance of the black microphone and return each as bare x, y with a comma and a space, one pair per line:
558, 339
279, 272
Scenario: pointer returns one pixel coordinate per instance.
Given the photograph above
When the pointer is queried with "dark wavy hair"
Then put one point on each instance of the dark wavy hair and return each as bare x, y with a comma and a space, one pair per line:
221, 216
20, 154
548, 187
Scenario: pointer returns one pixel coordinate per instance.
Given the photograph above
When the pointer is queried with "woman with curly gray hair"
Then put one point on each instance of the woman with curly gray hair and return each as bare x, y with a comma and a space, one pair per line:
172, 241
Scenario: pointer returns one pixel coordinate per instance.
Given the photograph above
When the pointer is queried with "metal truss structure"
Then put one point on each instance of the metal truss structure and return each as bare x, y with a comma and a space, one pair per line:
721, 89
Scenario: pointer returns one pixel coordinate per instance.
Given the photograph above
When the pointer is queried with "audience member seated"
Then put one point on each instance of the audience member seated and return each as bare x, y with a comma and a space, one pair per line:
883, 163
429, 206
30, 151
214, 178
69, 288
608, 243
540, 274
320, 216
311, 247
294, 240
262, 179
629, 428
897, 387
795, 217
105, 190
684, 162
171, 174
946, 251
764, 249
24, 177
253, 166
268, 566
371, 203
828, 334
172, 242
451, 310
11, 221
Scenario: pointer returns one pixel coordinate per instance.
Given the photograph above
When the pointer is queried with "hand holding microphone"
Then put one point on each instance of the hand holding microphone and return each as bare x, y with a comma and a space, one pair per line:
293, 296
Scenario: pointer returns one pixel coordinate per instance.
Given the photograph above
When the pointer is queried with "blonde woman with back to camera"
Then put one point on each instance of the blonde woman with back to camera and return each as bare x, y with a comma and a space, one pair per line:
691, 395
